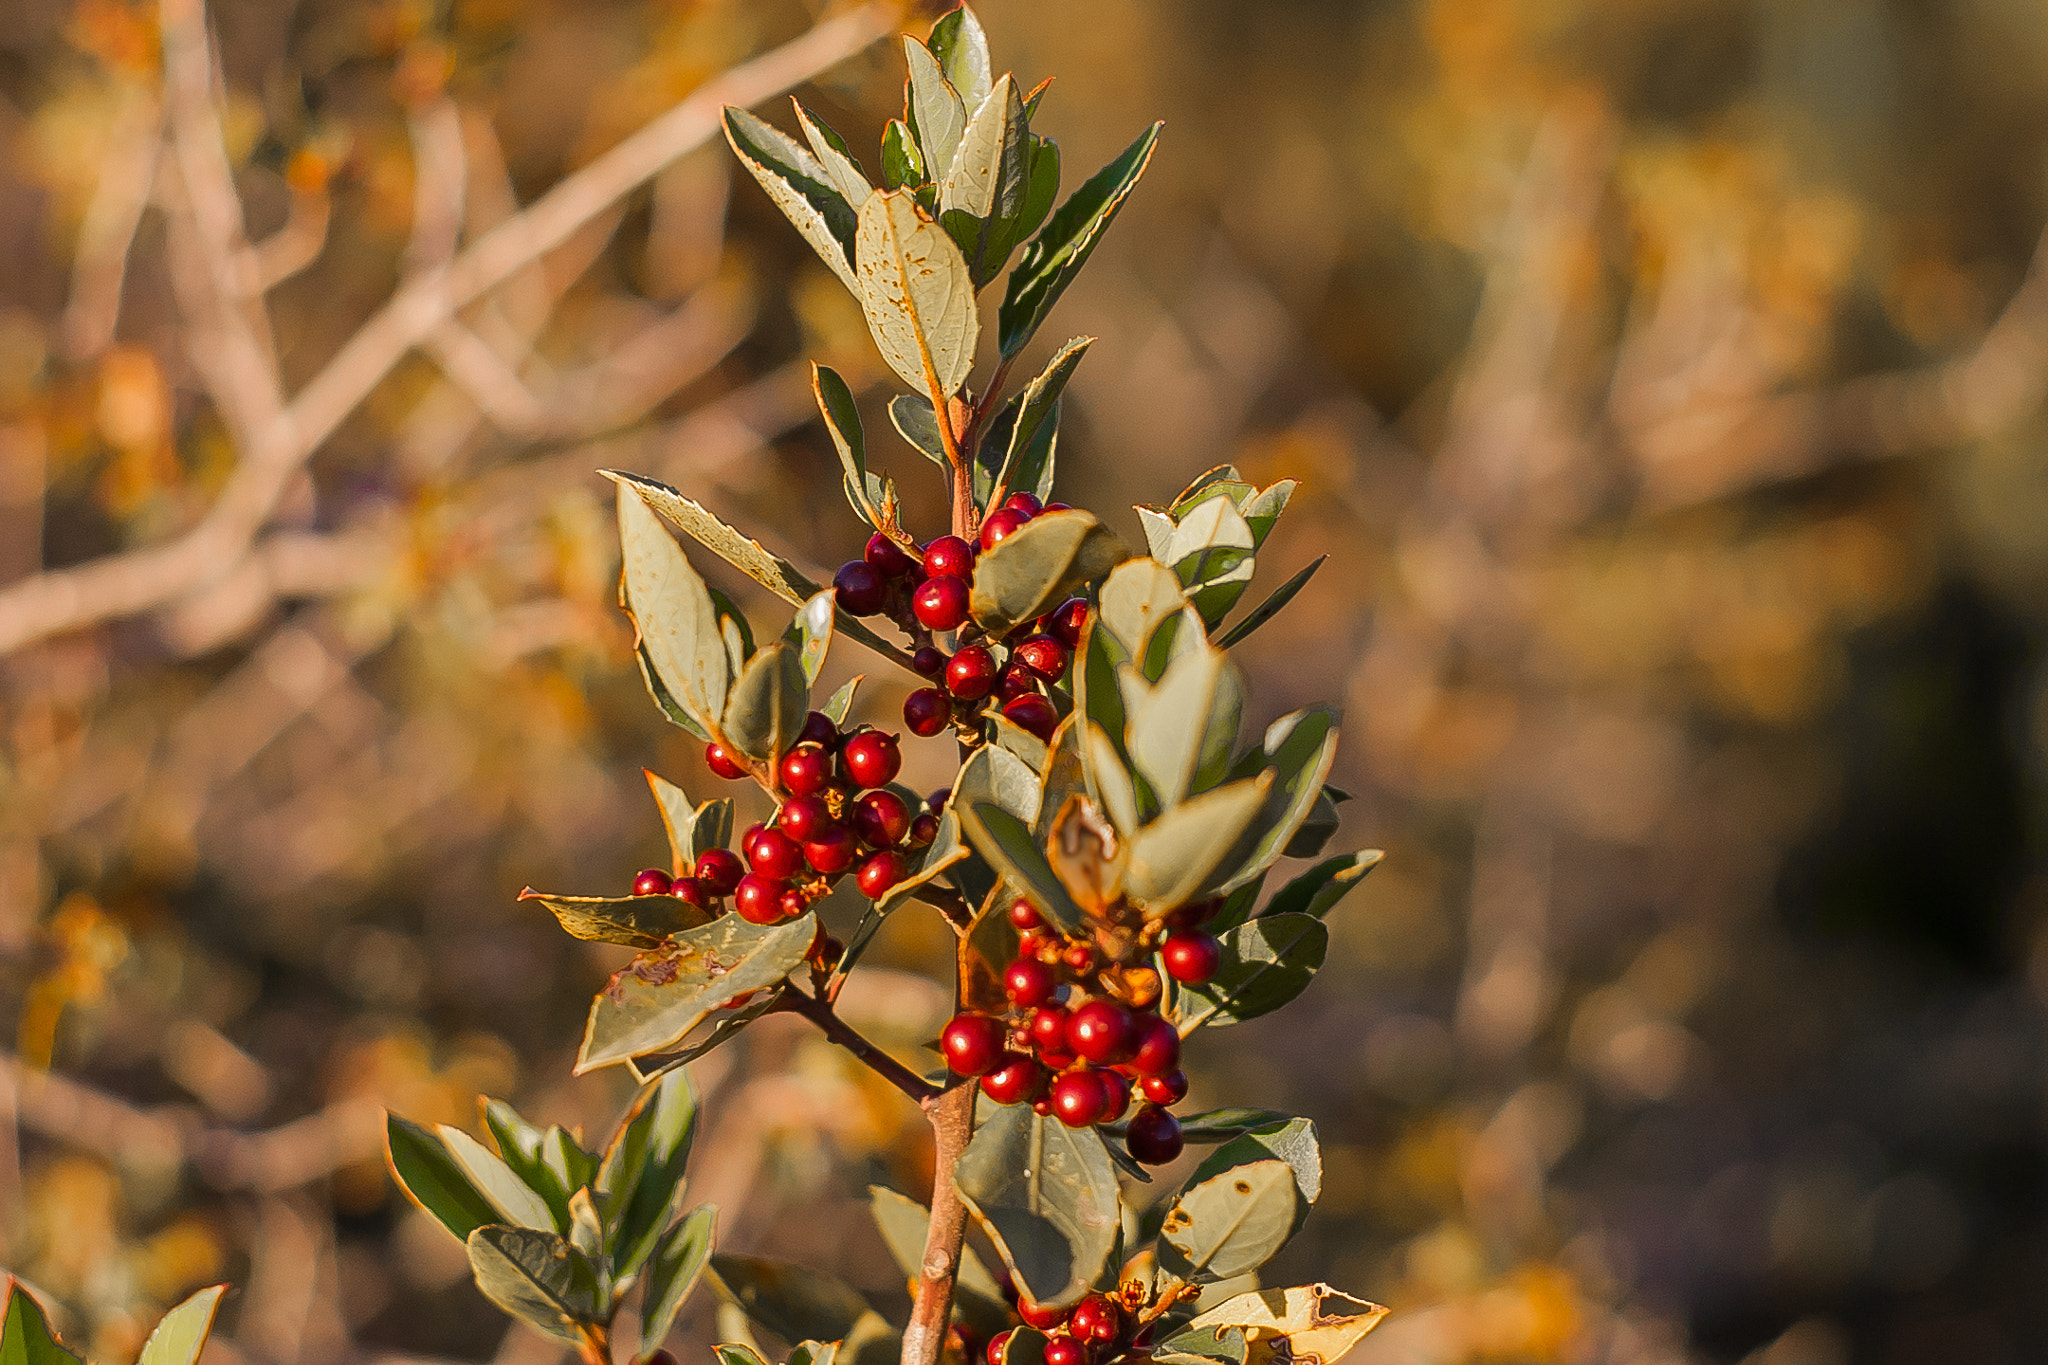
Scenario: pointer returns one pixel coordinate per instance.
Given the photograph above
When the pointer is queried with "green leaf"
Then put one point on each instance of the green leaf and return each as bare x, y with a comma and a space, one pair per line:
515, 1201
902, 163
734, 630
673, 1272
678, 624
1007, 843
772, 572
1298, 750
842, 172
810, 635
520, 1146
1268, 609
635, 921
1057, 254
675, 713
649, 1006
1289, 1140
1221, 1125
912, 416
426, 1171
1262, 511
1039, 566
181, 1333
1212, 553
1316, 829
538, 1278
799, 186
1178, 729
792, 1301
1018, 454
586, 1234
868, 493
1231, 1224
983, 195
692, 830
840, 703
25, 1335
768, 704
1266, 963
737, 1353
643, 1168
1136, 599
933, 108
917, 294
1175, 858
1047, 1196
903, 1223
728, 1024
962, 51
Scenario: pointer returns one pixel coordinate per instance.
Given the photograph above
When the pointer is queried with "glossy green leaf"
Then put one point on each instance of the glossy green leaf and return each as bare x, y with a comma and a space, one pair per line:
520, 1146
1019, 452
635, 921
1039, 566
515, 1201
982, 196
180, 1334
642, 1170
673, 1272
795, 1302
426, 1171
1010, 848
1047, 1196
1057, 254
870, 494
961, 48
1266, 963
799, 186
903, 1223
1221, 1125
902, 163
650, 1005
678, 624
842, 172
933, 109
1263, 510
25, 1335
538, 1278
1268, 609
1298, 750
1178, 856
586, 1234
917, 294
912, 416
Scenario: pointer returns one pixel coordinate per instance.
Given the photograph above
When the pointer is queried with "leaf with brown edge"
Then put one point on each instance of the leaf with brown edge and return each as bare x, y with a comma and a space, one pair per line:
1281, 1325
635, 921
1085, 855
651, 1004
917, 294
673, 611
1039, 566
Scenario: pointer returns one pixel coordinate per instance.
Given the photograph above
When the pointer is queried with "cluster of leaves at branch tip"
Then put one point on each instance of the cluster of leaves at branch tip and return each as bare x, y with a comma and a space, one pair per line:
1146, 805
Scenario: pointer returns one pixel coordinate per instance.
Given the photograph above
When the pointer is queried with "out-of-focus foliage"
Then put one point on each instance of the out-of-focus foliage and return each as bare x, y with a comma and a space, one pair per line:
1665, 378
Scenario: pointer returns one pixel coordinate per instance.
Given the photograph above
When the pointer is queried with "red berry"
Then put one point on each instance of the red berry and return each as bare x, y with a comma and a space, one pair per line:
972, 1044
793, 903
1036, 1315
887, 556
719, 870
1034, 716
971, 673
1042, 1107
1066, 621
935, 800
858, 588
1191, 956
881, 872
1028, 982
949, 557
1104, 1032
1025, 915
1080, 957
872, 759
651, 881
658, 1357
690, 891
833, 850
1015, 681
1171, 1088
819, 730
721, 762
807, 770
759, 899
1079, 1099
1154, 1136
1045, 656
928, 662
998, 1344
1158, 1047
940, 603
1047, 1029
1059, 507
1097, 1316
1016, 1079
775, 854
1026, 505
1116, 1094
747, 840
999, 526
926, 711
881, 819
803, 818
1195, 914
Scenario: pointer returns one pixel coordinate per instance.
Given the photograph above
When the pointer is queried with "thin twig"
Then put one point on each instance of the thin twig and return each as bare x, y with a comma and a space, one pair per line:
839, 1031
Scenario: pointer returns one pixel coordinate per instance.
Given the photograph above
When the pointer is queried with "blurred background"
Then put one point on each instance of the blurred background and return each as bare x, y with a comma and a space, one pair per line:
1665, 378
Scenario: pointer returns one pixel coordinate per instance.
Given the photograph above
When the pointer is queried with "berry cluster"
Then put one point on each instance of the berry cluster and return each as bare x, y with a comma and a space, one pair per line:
1099, 1328
929, 596
1082, 1032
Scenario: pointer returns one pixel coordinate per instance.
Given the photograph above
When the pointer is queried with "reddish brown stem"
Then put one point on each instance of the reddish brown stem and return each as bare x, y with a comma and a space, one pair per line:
820, 1012
952, 1119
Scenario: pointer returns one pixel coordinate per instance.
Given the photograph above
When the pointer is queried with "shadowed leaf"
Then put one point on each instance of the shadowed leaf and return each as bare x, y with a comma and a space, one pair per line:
1266, 963
1268, 609
673, 1271
903, 1223
538, 1278
1047, 1196
768, 704
635, 921
1057, 254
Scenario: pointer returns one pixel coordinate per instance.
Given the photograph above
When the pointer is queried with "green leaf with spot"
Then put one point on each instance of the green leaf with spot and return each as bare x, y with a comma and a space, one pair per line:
1243, 1203
1047, 1196
650, 1005
538, 1278
917, 294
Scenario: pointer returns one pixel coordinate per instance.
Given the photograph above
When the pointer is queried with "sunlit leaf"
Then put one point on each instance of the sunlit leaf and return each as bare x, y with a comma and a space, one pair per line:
678, 624
917, 294
25, 1335
961, 48
1039, 566
1057, 254
649, 1006
635, 921
673, 1271
1281, 1325
538, 1278
426, 1171
842, 172
799, 186
1266, 963
181, 1333
934, 110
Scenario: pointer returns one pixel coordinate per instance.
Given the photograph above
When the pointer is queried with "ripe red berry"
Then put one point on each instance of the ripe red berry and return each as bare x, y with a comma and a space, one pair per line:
1015, 681
819, 730
971, 673
889, 559
719, 870
949, 557
858, 588
1158, 1047
833, 850
1025, 504
1066, 621
793, 903
1045, 656
1025, 915
1104, 1032
881, 872
651, 881
999, 526
940, 603
1171, 1088
972, 1044
1028, 982
1047, 1029
1195, 914
1080, 958
775, 854
759, 899
928, 662
1116, 1093
807, 769
690, 891
998, 1344
926, 711
803, 818
1042, 1107
1079, 1099
1015, 1080
1039, 1316
872, 759
1033, 715
1154, 1136
721, 762
658, 1357
1059, 507
747, 839
1191, 956
1098, 1317
881, 819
